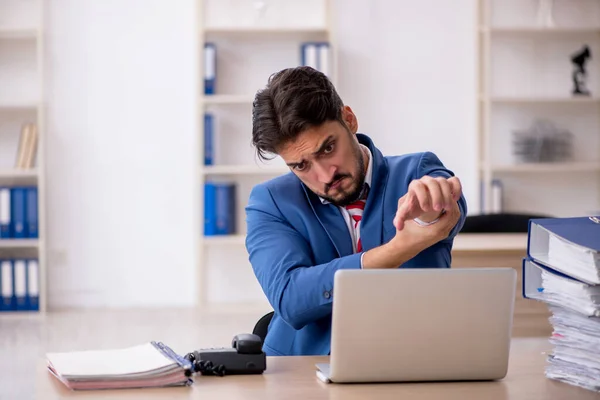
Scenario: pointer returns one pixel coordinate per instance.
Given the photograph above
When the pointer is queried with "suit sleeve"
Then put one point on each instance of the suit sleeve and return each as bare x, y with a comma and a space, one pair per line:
282, 260
431, 165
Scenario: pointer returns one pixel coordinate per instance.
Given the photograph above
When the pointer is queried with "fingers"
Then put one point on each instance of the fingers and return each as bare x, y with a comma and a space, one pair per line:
420, 188
446, 190
425, 195
456, 186
406, 205
435, 199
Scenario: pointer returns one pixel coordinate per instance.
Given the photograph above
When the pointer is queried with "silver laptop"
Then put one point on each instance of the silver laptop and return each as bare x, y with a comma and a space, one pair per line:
409, 325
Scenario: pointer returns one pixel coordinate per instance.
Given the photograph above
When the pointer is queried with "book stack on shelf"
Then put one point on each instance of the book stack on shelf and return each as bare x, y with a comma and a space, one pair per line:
562, 269
22, 190
242, 44
538, 107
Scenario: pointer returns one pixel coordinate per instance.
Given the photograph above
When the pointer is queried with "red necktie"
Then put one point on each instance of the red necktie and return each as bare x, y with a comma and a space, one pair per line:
356, 211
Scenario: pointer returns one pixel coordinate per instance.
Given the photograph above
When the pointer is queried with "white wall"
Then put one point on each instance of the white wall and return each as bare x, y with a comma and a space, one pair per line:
121, 152
122, 76
408, 70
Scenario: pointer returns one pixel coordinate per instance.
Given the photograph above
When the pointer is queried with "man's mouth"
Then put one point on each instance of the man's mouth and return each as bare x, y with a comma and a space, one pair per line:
337, 183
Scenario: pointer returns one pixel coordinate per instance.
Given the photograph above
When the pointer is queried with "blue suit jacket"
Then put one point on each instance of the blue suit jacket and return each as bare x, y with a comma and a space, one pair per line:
296, 244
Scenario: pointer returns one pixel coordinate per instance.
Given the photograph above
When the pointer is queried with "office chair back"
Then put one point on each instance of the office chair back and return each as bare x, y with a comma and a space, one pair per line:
262, 326
499, 223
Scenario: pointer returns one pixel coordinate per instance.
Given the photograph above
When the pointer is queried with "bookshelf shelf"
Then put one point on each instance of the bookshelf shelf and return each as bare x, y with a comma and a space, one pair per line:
18, 173
542, 100
18, 34
243, 170
549, 167
18, 177
534, 30
257, 30
18, 106
225, 239
228, 99
19, 243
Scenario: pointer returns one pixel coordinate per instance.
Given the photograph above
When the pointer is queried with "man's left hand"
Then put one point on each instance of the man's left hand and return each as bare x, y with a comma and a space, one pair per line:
426, 198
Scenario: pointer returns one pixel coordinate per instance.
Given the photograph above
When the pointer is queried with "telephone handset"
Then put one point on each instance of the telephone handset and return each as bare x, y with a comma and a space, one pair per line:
245, 356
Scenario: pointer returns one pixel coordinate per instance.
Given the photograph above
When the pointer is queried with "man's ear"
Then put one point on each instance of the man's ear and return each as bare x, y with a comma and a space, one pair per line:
350, 119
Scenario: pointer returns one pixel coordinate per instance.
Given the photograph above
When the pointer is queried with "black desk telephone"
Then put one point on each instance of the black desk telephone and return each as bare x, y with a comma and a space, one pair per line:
245, 356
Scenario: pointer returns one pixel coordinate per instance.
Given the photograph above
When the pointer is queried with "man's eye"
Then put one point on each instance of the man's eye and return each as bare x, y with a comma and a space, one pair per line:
328, 149
300, 167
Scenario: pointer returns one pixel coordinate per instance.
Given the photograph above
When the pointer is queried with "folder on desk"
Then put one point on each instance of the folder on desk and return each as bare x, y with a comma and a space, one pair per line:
567, 245
151, 364
558, 289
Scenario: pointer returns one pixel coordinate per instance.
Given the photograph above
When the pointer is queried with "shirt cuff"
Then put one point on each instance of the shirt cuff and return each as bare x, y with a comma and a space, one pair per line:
361, 258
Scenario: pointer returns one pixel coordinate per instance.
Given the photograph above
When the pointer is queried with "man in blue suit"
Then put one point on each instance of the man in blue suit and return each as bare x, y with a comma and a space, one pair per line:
344, 205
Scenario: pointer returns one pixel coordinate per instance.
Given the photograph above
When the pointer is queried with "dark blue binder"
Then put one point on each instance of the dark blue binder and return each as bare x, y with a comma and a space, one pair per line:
20, 284
582, 234
5, 213
225, 215
532, 285
33, 285
208, 139
219, 208
18, 213
31, 204
210, 209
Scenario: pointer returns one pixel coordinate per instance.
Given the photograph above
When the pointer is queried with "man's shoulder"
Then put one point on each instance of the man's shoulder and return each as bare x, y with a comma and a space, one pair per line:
412, 161
281, 185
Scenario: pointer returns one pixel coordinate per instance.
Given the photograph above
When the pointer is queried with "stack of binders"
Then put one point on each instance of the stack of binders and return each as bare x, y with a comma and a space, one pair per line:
562, 269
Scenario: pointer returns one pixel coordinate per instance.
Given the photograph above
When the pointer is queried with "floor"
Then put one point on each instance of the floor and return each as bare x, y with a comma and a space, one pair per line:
25, 339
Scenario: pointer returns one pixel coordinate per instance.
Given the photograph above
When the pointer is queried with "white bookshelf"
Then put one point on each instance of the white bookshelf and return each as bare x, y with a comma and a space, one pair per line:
525, 75
228, 99
22, 100
249, 49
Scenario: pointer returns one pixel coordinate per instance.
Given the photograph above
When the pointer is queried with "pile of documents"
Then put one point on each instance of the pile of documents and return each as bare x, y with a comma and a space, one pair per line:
151, 364
575, 358
562, 268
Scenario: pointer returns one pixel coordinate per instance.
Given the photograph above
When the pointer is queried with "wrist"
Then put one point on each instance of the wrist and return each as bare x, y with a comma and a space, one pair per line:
429, 218
389, 255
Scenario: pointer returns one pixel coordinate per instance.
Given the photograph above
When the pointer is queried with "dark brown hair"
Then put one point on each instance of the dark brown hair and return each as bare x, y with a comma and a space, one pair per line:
295, 99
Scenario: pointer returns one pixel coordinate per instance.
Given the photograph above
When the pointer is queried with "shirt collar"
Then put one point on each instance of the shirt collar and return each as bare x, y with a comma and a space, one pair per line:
368, 176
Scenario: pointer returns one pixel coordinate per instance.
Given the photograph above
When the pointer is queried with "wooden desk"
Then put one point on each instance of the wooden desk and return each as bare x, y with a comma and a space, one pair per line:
504, 250
294, 378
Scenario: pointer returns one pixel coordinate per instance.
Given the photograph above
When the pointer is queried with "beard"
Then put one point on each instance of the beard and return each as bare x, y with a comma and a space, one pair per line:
358, 182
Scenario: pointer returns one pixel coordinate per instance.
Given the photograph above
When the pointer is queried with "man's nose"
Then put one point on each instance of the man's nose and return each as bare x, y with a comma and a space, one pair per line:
325, 172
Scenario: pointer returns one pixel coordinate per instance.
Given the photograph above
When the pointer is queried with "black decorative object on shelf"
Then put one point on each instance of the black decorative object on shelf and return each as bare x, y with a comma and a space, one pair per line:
579, 73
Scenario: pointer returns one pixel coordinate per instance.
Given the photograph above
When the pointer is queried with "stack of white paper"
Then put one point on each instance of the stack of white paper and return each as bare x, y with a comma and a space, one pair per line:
575, 358
572, 294
147, 365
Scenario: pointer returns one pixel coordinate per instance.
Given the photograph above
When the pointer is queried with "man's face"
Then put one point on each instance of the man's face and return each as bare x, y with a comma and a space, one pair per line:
329, 160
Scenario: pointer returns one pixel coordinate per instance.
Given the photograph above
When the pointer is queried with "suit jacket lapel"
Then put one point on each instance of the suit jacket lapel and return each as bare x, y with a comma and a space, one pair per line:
371, 226
332, 221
